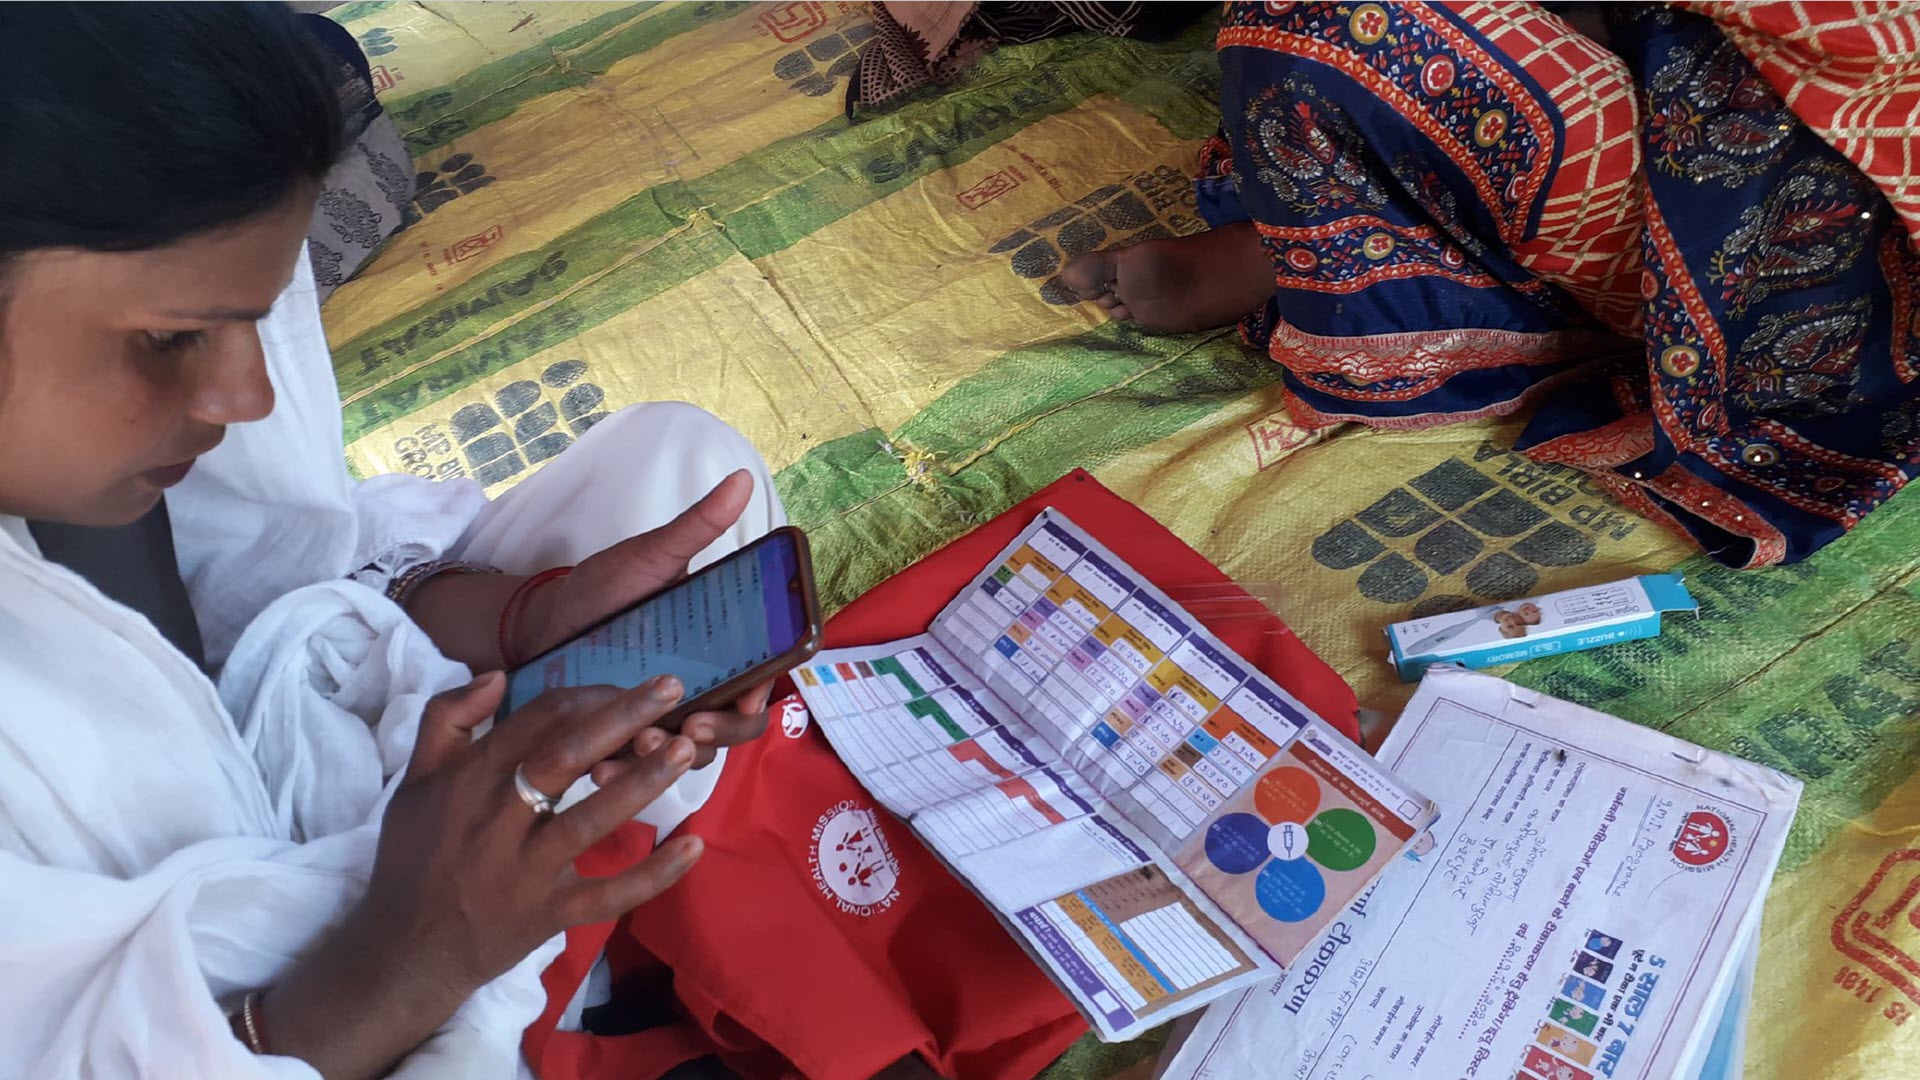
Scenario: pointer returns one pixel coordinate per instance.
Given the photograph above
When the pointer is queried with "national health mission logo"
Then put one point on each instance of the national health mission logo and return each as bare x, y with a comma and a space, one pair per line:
852, 864
1704, 839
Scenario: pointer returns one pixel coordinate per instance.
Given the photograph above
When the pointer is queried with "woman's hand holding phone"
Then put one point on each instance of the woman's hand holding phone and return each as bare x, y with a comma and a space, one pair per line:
629, 572
711, 730
468, 879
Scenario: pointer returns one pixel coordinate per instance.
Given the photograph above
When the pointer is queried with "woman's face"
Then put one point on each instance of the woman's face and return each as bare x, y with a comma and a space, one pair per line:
118, 369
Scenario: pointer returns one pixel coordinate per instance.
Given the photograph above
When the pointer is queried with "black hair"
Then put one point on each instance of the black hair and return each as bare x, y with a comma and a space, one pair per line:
126, 127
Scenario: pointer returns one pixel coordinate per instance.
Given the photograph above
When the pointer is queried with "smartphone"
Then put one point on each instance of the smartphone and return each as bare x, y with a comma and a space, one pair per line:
735, 624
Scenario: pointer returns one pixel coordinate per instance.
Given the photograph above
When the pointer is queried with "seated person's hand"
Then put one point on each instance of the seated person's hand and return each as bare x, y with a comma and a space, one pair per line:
745, 722
474, 871
709, 731
629, 572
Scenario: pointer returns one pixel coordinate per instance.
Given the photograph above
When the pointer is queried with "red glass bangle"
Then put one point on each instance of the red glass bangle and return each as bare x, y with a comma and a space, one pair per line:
516, 601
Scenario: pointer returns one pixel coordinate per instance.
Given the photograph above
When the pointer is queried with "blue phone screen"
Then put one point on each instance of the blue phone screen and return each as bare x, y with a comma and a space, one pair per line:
739, 613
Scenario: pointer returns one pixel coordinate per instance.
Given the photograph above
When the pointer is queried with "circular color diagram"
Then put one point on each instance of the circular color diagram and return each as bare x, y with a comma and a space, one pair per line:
1287, 840
1237, 843
1341, 839
1290, 841
1287, 795
1290, 890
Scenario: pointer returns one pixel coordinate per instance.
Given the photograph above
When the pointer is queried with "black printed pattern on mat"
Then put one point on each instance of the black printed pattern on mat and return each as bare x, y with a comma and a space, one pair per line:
527, 422
818, 66
458, 175
1146, 206
423, 124
377, 41
1465, 533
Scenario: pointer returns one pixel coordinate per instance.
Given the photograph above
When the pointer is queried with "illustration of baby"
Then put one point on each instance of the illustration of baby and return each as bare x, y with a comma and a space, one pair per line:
1510, 623
1513, 624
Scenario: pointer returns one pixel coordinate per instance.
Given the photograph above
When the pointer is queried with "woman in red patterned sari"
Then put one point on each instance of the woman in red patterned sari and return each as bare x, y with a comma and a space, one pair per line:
1686, 235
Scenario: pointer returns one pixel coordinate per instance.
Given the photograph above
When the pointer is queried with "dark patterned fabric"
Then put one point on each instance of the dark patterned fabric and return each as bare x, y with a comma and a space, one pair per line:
899, 59
1470, 210
363, 200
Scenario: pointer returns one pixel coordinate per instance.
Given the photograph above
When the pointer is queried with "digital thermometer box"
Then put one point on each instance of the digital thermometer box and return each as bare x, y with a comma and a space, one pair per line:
1561, 622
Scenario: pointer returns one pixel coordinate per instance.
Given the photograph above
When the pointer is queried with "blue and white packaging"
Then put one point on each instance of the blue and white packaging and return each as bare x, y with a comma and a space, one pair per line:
1538, 626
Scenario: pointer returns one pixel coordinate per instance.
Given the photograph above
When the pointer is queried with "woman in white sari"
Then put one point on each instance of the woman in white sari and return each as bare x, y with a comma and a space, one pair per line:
245, 826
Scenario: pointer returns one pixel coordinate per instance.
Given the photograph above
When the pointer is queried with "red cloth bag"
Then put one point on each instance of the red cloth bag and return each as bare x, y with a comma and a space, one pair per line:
817, 937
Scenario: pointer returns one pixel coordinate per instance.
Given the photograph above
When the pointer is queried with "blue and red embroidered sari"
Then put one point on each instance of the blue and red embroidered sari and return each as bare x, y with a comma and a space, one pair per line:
1474, 208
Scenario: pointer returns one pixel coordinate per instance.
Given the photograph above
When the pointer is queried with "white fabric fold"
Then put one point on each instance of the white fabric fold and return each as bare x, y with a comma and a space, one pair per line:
151, 860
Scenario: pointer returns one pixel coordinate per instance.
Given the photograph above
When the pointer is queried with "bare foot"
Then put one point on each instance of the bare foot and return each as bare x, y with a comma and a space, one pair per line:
1178, 284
